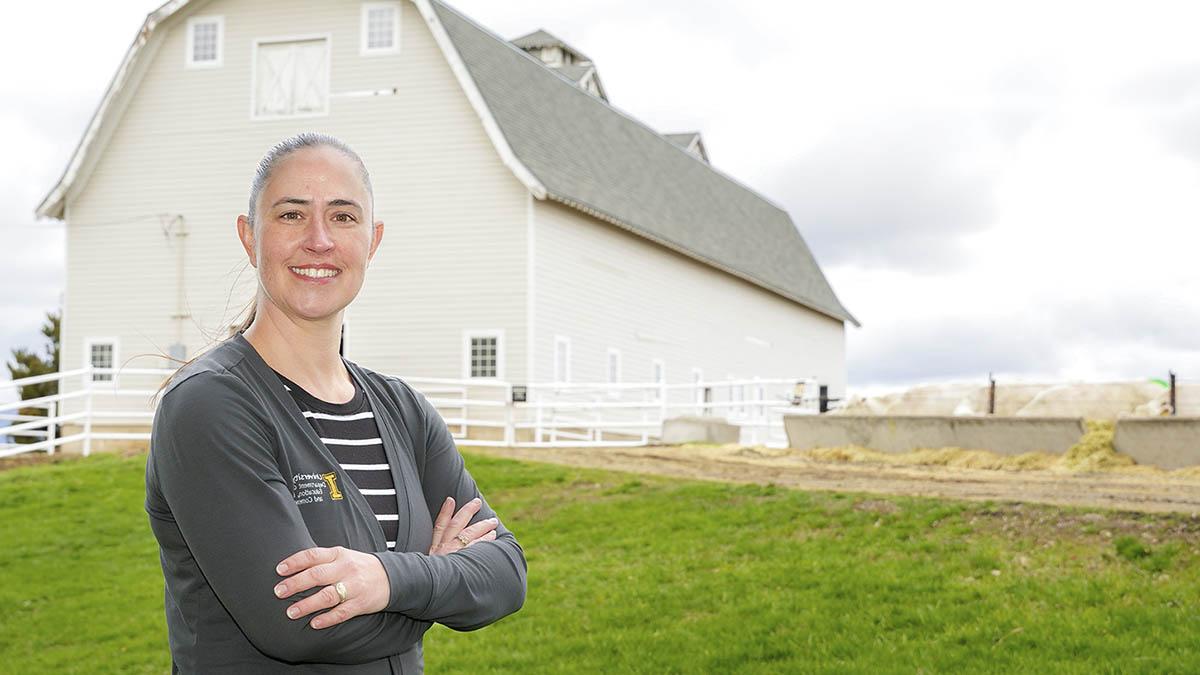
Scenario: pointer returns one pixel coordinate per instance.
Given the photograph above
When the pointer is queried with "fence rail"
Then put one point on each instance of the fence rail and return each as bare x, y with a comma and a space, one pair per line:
477, 412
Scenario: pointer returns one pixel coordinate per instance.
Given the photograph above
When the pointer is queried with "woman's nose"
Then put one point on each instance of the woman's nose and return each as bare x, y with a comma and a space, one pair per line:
319, 237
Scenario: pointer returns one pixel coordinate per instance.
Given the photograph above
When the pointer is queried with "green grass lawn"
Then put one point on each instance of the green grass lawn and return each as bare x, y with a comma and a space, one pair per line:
634, 573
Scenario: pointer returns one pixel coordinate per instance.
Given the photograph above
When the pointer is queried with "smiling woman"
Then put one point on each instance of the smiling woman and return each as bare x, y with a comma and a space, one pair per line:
291, 490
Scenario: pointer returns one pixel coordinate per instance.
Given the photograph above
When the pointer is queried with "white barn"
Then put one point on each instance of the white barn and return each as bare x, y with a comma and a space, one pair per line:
534, 232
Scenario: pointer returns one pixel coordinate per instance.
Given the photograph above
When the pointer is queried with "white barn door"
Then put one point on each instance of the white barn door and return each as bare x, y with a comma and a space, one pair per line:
292, 78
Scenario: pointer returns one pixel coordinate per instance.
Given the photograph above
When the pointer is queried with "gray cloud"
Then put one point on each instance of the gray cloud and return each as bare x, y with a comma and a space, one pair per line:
1156, 322
1168, 97
1169, 85
1128, 336
953, 349
896, 194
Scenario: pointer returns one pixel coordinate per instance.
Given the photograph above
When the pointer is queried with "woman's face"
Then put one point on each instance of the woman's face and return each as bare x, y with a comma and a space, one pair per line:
313, 237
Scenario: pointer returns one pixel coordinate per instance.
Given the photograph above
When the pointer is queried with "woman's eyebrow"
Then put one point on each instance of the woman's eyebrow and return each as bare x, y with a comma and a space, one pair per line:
305, 202
343, 202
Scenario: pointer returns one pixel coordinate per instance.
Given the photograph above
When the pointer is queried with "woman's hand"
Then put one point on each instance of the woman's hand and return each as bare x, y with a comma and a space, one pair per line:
446, 528
362, 576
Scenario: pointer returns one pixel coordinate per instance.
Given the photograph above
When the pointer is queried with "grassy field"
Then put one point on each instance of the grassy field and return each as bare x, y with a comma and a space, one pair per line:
630, 573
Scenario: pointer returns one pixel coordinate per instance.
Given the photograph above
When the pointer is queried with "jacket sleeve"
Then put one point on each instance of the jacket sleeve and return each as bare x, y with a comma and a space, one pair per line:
213, 457
467, 589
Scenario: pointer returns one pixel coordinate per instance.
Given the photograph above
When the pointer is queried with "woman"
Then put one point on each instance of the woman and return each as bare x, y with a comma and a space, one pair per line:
291, 490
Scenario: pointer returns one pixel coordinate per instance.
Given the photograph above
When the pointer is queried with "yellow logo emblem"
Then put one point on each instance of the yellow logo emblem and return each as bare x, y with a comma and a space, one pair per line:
331, 480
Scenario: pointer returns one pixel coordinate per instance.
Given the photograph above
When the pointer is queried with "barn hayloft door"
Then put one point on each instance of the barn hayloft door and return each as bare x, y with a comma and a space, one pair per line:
291, 78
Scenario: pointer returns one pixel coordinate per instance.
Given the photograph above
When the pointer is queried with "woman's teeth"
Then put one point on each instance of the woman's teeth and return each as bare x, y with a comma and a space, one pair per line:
315, 272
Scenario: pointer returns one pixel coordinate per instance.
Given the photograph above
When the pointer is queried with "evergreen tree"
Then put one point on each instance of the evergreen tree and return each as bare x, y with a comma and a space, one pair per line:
27, 363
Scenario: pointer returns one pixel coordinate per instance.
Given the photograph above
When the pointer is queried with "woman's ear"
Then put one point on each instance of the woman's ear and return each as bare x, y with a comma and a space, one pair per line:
246, 234
376, 237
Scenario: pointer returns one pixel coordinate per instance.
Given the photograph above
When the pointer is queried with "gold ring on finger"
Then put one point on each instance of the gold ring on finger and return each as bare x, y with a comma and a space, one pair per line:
462, 538
341, 591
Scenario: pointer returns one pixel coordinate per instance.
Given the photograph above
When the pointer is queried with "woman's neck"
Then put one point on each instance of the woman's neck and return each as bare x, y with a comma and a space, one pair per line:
304, 352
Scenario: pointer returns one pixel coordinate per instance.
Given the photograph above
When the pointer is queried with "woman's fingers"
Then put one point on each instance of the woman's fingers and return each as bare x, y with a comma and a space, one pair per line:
306, 558
484, 530
363, 580
313, 576
464, 515
439, 525
479, 529
346, 610
322, 599
487, 537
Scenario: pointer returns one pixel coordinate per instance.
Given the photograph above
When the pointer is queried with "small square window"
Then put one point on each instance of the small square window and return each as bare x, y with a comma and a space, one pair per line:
204, 37
483, 356
380, 28
101, 354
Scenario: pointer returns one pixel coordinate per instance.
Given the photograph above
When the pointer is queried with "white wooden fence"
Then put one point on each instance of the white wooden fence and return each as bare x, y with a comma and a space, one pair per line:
477, 412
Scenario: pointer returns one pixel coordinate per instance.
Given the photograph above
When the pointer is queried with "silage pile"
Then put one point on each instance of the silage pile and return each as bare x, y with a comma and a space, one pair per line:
1099, 400
1094, 452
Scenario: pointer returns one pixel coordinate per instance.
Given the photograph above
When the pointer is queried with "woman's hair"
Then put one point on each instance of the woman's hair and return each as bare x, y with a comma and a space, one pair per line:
262, 175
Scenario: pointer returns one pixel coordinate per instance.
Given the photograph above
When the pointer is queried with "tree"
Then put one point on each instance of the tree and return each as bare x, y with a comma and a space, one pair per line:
28, 363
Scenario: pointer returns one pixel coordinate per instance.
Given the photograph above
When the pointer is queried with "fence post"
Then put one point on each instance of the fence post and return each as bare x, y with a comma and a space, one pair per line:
510, 433
645, 431
662, 408
50, 435
991, 395
1172, 392
537, 417
87, 411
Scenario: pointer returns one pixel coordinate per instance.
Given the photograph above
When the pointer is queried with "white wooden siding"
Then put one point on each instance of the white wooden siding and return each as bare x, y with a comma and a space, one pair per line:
453, 252
606, 288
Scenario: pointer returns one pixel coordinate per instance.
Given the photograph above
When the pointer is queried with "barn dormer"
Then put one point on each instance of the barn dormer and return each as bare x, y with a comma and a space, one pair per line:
563, 58
689, 141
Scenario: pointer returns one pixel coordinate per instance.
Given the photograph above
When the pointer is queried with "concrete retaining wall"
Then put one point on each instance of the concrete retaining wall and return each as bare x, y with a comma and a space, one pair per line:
688, 429
1167, 442
901, 433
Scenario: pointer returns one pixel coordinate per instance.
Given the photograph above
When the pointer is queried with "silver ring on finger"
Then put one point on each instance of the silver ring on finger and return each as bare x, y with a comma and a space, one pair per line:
341, 591
463, 539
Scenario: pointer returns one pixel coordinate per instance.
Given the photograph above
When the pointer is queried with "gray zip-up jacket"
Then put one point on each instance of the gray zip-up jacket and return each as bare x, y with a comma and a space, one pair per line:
237, 480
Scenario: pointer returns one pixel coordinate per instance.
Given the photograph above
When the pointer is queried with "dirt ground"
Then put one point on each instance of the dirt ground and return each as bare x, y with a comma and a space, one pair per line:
1138, 489
1146, 491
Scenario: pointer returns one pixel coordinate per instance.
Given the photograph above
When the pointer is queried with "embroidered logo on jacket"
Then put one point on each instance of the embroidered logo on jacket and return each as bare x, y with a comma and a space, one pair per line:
310, 488
331, 481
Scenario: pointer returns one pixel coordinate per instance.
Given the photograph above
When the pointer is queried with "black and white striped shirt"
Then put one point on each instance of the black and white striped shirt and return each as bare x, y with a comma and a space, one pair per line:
352, 436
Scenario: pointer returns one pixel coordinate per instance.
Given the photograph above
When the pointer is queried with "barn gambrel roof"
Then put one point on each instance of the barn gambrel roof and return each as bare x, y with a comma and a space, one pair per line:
565, 144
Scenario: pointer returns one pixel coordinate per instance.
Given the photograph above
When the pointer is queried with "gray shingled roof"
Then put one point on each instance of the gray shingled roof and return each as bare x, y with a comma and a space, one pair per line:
588, 154
574, 72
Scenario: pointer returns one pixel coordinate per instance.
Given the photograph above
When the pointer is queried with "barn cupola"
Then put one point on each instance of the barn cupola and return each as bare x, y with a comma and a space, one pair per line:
564, 59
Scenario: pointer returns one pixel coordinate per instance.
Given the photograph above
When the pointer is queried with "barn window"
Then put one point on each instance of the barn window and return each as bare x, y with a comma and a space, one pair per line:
562, 358
614, 365
657, 375
291, 78
205, 34
380, 28
483, 353
101, 353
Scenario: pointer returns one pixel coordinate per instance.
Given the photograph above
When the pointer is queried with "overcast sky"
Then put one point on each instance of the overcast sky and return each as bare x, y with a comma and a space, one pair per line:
1005, 186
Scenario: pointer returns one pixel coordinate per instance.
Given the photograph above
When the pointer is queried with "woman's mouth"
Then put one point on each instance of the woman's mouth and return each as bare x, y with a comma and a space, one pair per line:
315, 274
